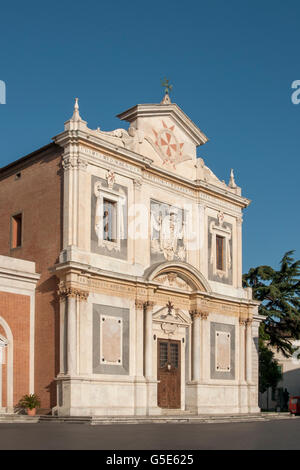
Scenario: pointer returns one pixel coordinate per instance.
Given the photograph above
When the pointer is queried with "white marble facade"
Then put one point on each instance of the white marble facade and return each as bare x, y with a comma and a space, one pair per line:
151, 274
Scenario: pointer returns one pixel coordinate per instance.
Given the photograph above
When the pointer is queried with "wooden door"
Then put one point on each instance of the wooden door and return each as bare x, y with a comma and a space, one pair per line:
168, 373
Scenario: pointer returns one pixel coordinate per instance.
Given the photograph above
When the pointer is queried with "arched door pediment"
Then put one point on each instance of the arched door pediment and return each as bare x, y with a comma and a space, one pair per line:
178, 275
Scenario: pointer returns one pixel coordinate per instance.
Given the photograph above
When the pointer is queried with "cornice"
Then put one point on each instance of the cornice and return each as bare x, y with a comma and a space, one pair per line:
19, 275
62, 269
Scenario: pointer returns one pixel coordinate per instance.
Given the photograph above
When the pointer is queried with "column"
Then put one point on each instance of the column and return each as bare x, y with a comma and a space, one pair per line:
249, 351
139, 337
196, 345
148, 339
242, 350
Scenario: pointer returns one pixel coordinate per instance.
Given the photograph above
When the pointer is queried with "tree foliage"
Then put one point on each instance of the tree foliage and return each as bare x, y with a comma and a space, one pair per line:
269, 372
279, 294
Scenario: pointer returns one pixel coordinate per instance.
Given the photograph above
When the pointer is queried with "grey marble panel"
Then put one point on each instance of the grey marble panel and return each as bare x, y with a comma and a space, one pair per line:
99, 368
215, 374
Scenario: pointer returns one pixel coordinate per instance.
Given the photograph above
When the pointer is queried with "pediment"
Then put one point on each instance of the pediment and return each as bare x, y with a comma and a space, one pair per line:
156, 113
177, 317
173, 280
165, 133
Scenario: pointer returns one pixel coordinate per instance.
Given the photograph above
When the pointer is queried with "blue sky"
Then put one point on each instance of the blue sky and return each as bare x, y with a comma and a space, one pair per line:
231, 64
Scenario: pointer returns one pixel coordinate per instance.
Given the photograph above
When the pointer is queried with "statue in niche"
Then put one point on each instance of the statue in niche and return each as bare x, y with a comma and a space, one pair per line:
167, 232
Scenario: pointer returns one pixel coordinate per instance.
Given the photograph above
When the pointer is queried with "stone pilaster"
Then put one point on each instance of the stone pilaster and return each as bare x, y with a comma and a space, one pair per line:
139, 338
148, 340
249, 351
242, 351
199, 346
239, 223
69, 327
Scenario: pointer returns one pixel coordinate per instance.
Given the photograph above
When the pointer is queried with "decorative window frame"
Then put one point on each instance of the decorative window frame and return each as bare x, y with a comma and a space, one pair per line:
117, 197
224, 232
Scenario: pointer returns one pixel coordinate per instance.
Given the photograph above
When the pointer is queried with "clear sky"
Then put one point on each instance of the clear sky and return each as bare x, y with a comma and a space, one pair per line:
231, 63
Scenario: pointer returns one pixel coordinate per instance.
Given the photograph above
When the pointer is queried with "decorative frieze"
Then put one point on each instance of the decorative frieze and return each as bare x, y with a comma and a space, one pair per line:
110, 160
216, 202
168, 184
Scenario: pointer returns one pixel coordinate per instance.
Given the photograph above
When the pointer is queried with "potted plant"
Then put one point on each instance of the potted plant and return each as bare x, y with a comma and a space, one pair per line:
30, 403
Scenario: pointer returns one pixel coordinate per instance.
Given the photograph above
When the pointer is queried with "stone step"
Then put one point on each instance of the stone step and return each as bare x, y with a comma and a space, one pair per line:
65, 419
15, 418
189, 419
172, 412
184, 417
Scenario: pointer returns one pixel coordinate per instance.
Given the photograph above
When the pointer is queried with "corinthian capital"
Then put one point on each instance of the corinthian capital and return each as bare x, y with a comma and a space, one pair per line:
198, 314
72, 292
74, 163
139, 304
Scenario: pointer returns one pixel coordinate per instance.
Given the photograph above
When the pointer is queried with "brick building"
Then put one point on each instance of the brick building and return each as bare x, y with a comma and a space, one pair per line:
139, 306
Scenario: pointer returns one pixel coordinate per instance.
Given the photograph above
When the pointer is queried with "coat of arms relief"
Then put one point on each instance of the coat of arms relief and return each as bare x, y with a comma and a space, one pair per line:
167, 233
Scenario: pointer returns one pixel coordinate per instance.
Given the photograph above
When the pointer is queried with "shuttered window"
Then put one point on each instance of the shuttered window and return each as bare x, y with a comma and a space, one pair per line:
220, 252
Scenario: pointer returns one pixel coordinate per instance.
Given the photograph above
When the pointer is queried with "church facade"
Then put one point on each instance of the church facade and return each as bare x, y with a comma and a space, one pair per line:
140, 308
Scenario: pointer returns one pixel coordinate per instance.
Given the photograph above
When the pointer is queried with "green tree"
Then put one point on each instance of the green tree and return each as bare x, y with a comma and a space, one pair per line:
279, 294
269, 371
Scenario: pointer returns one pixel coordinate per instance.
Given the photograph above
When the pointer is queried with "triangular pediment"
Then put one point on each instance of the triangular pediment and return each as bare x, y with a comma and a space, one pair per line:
165, 134
176, 317
158, 113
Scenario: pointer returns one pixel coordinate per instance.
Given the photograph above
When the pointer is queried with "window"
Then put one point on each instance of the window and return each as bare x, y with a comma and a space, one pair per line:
16, 231
220, 252
109, 220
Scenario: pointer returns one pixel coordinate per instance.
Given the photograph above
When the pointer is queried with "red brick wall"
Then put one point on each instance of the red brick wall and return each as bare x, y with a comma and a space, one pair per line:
38, 195
15, 309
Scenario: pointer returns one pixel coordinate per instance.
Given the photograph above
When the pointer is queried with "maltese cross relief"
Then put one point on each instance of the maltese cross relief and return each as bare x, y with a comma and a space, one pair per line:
168, 147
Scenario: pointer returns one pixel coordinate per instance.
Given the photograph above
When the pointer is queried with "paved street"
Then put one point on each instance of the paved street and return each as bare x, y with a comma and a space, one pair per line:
256, 435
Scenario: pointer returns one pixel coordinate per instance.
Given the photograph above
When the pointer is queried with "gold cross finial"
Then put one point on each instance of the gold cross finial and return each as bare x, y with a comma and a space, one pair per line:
168, 87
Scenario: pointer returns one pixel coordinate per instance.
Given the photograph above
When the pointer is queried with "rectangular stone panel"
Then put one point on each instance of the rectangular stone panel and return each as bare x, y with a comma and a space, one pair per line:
222, 351
111, 340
